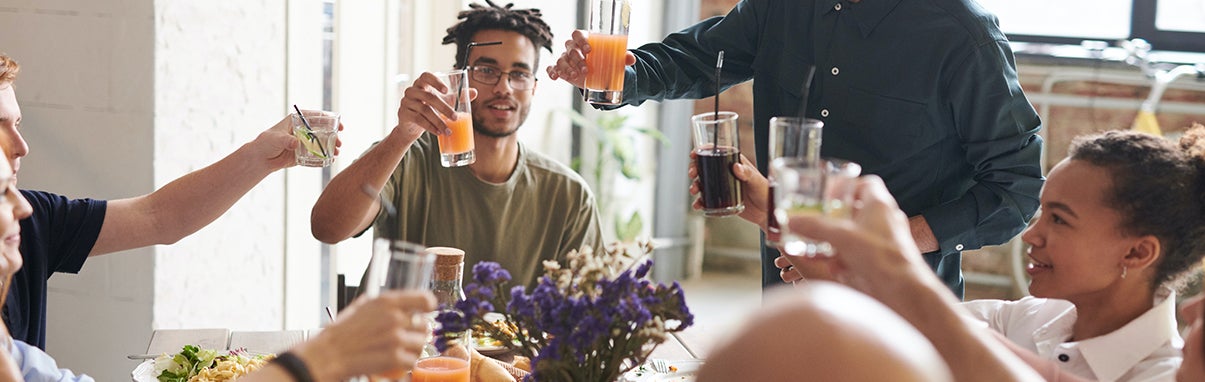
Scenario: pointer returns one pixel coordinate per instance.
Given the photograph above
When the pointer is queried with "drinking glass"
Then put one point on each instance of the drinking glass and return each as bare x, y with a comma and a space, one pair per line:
810, 188
608, 39
790, 137
401, 265
717, 148
317, 135
457, 149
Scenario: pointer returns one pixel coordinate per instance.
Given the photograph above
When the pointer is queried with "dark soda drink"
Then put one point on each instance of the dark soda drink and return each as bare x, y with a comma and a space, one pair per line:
721, 191
773, 232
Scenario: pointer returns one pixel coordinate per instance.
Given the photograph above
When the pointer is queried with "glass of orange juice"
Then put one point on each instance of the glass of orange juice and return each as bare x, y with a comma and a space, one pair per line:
608, 38
457, 149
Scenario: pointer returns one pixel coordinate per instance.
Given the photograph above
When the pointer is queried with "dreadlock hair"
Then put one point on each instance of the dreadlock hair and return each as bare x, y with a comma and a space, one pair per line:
526, 22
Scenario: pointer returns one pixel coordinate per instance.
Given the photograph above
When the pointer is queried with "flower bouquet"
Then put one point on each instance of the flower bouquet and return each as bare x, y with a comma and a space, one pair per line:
593, 320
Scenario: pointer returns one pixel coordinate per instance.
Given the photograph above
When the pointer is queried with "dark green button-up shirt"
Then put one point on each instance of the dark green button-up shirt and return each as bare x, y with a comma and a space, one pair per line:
923, 93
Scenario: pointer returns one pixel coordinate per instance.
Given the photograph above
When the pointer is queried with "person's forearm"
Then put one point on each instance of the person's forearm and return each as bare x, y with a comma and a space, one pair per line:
923, 234
971, 353
344, 208
181, 207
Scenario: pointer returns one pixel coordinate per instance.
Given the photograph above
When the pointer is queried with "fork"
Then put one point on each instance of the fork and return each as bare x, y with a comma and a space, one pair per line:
659, 365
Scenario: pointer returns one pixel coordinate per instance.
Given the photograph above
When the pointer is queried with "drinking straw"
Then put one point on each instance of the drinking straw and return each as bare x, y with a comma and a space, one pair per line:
465, 62
309, 132
715, 130
807, 87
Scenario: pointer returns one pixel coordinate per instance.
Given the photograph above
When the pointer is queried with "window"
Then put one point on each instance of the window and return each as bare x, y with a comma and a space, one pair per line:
1166, 24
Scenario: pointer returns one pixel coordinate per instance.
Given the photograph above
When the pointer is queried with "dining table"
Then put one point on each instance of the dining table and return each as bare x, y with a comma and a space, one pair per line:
689, 346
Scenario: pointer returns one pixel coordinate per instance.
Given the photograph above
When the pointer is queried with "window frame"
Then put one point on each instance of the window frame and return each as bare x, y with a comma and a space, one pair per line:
1142, 25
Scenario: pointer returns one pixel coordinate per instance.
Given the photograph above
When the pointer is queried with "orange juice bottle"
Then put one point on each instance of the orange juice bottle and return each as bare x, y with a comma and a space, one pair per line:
441, 369
604, 64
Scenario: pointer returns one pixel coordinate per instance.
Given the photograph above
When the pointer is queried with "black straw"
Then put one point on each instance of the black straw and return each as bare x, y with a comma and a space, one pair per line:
465, 62
715, 130
807, 87
309, 131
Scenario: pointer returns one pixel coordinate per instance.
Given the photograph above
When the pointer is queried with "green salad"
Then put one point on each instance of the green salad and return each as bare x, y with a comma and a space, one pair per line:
184, 365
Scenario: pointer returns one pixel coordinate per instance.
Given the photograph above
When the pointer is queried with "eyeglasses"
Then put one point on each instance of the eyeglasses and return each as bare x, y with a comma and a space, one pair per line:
490, 75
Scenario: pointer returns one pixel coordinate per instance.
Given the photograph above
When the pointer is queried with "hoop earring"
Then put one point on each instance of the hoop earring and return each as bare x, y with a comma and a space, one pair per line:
1123, 271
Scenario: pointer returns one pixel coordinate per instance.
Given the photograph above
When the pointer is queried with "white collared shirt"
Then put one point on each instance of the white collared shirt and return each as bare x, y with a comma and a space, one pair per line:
1145, 349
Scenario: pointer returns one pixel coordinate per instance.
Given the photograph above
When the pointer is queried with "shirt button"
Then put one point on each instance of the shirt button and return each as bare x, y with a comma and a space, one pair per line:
837, 7
958, 247
836, 71
824, 113
1064, 358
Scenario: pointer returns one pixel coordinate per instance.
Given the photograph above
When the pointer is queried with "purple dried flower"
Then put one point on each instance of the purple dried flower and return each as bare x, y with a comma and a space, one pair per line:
581, 318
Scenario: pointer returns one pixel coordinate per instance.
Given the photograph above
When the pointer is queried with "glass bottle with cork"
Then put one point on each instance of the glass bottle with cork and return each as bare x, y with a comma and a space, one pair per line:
445, 285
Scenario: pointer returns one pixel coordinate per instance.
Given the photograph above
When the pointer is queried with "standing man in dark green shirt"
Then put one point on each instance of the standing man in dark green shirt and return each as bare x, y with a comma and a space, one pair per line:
923, 93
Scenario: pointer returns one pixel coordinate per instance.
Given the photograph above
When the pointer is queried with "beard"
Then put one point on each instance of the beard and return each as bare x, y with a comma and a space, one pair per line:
481, 123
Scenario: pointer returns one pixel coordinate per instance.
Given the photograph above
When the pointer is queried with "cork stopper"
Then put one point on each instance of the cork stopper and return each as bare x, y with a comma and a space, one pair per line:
448, 262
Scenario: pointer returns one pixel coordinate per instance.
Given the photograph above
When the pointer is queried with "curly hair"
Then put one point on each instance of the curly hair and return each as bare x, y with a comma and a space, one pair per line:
527, 22
1159, 189
8, 69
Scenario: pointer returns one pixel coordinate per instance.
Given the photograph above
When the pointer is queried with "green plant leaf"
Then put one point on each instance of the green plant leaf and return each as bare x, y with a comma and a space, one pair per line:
628, 230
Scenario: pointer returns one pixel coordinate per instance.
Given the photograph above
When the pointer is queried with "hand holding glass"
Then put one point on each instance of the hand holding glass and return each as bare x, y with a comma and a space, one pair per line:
397, 264
317, 135
608, 39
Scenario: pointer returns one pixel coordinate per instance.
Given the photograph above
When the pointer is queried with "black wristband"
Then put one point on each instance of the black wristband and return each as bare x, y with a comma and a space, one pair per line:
294, 366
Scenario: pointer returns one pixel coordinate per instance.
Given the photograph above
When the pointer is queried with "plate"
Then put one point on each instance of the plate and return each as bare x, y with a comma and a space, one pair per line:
145, 372
491, 351
685, 370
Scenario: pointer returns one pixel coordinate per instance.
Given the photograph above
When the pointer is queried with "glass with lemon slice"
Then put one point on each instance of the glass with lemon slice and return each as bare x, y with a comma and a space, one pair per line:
810, 188
316, 134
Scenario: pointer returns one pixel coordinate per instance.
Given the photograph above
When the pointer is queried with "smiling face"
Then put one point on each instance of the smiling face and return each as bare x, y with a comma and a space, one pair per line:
1076, 244
13, 208
499, 109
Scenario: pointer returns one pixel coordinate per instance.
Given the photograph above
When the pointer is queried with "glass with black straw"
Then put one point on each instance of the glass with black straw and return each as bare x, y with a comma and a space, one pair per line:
791, 137
717, 149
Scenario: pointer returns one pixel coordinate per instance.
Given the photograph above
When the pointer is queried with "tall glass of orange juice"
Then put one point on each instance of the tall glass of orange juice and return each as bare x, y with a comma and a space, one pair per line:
457, 149
608, 38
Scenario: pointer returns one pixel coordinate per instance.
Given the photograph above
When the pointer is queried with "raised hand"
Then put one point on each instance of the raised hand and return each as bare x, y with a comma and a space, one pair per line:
372, 336
571, 66
276, 144
422, 104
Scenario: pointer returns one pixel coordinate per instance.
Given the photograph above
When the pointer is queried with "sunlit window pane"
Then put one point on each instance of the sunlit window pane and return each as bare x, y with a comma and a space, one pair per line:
1100, 19
1180, 15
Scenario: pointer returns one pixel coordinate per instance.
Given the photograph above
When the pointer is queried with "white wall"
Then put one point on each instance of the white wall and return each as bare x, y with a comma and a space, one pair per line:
122, 96
219, 82
86, 95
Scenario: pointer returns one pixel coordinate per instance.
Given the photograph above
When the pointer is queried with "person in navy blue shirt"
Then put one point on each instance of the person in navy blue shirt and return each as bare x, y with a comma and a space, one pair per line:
62, 232
923, 93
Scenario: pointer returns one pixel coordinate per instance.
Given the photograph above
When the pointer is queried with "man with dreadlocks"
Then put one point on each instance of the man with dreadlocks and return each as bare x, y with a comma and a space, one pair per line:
513, 205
